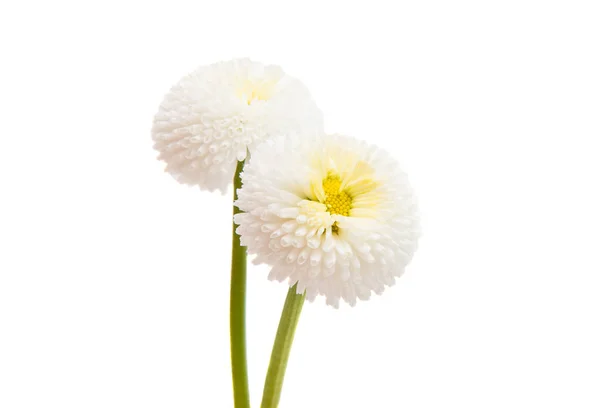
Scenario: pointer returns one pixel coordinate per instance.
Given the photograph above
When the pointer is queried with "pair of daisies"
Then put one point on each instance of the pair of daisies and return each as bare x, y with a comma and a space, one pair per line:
331, 214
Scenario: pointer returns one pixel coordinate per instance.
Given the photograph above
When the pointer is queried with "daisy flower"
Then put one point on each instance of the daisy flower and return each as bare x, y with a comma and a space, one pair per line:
213, 116
333, 215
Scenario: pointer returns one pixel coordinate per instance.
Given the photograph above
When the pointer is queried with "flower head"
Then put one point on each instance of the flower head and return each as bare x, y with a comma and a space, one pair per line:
214, 115
333, 215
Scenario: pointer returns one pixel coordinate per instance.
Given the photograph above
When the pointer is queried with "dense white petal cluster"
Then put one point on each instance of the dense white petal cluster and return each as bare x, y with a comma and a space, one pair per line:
333, 214
213, 116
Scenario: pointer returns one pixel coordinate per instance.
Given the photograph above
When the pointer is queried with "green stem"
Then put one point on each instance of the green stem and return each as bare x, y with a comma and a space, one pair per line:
282, 347
239, 365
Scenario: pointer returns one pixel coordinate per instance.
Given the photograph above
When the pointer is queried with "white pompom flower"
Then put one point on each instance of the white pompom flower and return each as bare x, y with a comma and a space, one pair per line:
333, 215
213, 116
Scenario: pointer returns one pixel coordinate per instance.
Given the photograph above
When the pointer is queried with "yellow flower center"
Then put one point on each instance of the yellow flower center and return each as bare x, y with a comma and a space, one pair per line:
347, 196
250, 91
336, 200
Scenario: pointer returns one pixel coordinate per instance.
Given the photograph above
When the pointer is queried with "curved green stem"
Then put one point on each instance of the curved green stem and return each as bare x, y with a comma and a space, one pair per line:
239, 365
282, 347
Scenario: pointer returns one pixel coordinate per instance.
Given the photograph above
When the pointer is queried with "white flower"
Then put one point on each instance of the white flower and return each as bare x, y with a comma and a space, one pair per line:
334, 215
212, 116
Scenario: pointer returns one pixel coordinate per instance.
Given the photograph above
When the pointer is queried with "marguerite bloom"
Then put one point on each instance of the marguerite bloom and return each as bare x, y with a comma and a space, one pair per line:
334, 215
213, 116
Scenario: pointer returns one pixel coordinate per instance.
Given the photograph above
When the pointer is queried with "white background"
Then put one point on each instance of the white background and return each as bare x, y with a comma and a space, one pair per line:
114, 278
